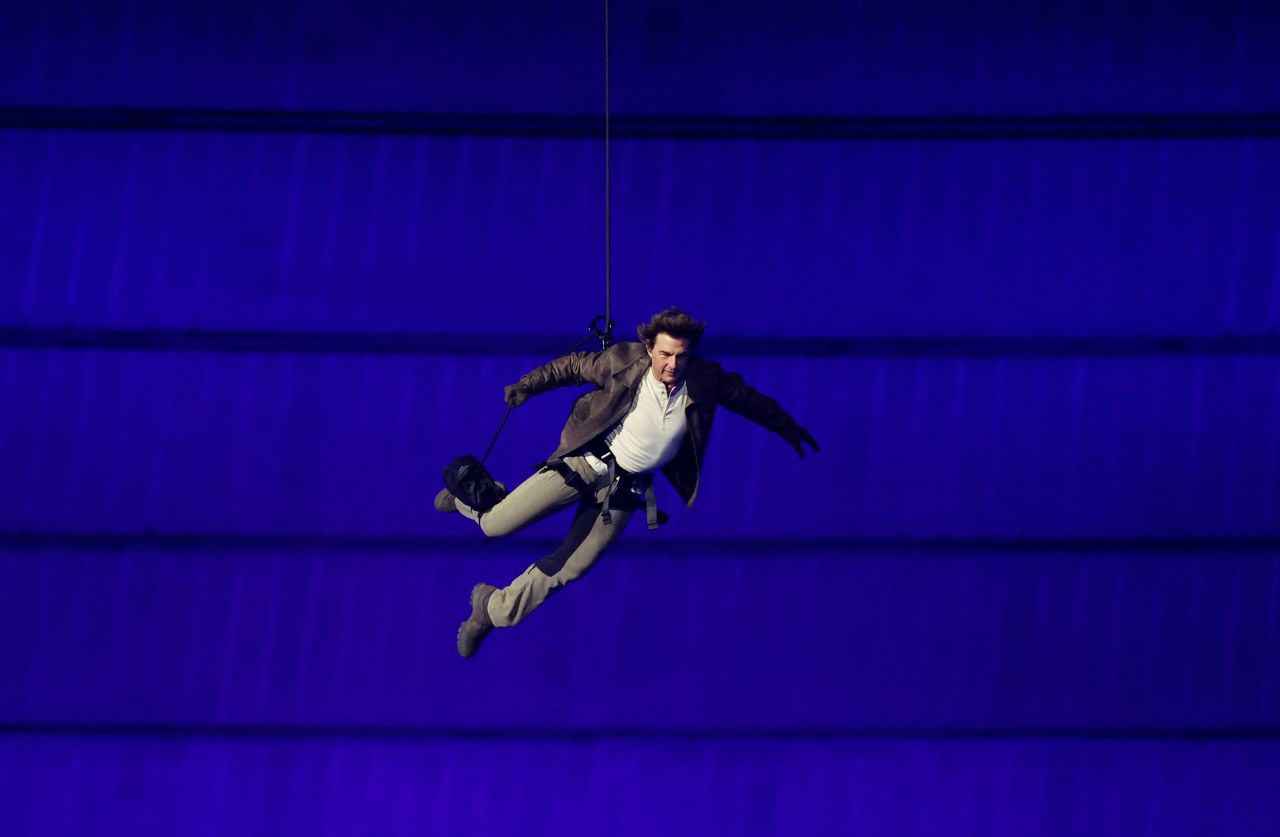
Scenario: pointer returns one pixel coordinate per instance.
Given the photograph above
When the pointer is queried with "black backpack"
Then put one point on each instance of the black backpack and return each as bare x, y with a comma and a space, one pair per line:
467, 479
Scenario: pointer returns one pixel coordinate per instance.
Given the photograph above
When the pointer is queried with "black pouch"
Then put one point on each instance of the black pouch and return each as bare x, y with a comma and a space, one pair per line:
467, 479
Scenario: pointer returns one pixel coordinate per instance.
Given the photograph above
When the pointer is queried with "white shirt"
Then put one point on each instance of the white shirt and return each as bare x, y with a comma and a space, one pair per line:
650, 435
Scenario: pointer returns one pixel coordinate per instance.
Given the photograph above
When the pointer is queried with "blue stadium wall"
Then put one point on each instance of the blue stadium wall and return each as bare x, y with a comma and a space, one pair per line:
265, 268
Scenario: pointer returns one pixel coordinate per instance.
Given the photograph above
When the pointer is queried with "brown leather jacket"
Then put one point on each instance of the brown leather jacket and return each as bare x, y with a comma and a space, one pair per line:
617, 371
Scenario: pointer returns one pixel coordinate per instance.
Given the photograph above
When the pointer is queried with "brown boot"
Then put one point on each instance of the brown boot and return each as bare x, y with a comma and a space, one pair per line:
478, 626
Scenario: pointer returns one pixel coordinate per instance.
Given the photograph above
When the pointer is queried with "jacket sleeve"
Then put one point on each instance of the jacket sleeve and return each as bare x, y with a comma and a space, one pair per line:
570, 370
735, 395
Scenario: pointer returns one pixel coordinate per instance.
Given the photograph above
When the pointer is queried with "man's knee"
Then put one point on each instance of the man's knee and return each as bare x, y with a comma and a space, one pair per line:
494, 526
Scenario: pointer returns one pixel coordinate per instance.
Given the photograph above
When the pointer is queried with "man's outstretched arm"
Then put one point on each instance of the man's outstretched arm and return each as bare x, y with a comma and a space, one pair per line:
570, 370
736, 396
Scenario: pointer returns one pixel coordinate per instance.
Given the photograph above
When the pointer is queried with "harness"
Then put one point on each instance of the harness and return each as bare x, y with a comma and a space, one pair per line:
627, 491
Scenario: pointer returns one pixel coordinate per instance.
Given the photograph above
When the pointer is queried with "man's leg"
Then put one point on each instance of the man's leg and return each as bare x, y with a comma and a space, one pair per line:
542, 494
535, 585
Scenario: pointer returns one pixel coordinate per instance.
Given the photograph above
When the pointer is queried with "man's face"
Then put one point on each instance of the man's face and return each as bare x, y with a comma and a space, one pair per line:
669, 357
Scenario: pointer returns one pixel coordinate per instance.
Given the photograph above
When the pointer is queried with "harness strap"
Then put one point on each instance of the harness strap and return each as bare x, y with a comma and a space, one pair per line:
605, 515
651, 512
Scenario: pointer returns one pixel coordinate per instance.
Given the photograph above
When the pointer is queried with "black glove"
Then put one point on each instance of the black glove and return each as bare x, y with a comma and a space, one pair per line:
515, 395
797, 434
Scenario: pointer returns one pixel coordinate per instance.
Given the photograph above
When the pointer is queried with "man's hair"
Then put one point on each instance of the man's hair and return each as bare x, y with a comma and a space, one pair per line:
675, 322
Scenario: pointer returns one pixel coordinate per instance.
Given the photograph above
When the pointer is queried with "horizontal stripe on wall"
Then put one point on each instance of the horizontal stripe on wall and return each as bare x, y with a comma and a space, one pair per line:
374, 343
832, 58
672, 127
406, 734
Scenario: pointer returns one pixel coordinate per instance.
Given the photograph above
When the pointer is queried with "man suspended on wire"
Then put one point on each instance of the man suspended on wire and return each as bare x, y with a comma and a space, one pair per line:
651, 409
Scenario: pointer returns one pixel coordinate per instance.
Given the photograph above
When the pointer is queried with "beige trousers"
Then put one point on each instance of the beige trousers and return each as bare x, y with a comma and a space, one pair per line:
543, 494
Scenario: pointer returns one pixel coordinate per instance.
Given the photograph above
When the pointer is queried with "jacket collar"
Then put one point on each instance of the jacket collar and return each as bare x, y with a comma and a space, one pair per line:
630, 374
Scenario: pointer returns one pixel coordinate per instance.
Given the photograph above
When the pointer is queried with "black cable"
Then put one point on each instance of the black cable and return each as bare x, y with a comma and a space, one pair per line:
608, 243
497, 433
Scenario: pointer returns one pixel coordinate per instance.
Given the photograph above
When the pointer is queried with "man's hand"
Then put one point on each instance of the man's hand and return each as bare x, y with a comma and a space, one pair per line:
515, 395
797, 434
